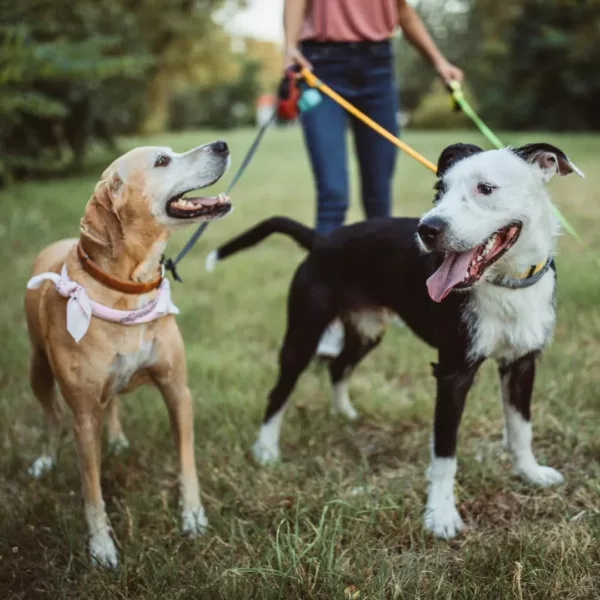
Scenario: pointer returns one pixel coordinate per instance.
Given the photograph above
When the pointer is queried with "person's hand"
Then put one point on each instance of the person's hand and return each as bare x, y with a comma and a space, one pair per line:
449, 72
293, 56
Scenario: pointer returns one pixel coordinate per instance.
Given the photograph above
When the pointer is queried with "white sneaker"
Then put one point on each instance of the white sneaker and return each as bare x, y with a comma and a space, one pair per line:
332, 340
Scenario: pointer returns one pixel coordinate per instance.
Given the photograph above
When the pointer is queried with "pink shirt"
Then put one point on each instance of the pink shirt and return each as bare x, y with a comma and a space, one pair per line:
349, 20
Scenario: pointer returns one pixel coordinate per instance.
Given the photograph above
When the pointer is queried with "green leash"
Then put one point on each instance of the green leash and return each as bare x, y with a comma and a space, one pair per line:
460, 100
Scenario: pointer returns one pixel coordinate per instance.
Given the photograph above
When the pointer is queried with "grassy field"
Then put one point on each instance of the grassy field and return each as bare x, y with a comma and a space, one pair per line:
300, 530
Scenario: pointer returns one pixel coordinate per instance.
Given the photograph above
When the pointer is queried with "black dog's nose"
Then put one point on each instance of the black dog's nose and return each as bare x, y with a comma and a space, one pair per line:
220, 146
430, 229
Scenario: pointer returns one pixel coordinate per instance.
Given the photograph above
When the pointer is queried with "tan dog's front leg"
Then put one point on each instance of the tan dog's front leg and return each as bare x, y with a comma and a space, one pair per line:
88, 428
179, 403
117, 441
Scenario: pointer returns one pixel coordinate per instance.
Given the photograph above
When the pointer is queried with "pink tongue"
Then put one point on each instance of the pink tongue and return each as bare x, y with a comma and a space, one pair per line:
451, 272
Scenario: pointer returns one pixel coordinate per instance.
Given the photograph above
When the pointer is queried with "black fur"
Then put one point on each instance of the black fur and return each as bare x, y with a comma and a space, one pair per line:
452, 154
531, 152
369, 265
519, 382
303, 235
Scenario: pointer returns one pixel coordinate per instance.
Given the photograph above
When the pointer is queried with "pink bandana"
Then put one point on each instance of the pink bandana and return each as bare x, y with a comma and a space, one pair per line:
80, 308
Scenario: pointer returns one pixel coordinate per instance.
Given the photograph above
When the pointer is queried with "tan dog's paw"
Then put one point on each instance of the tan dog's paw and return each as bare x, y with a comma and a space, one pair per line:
102, 549
193, 521
41, 465
118, 445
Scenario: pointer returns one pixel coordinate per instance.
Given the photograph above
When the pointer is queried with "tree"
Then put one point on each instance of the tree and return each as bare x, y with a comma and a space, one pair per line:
189, 49
72, 71
52, 85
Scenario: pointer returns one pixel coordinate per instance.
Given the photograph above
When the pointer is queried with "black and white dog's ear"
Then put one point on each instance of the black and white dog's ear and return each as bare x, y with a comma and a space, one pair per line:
548, 158
452, 154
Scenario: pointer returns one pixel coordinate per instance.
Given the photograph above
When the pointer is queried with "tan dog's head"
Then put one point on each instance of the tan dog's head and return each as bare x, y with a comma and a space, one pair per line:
142, 195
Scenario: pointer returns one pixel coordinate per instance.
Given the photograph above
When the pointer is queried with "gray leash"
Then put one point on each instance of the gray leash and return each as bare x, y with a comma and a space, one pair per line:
171, 265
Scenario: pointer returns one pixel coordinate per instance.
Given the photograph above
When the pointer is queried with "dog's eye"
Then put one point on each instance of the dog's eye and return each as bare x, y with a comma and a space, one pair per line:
439, 188
485, 188
162, 161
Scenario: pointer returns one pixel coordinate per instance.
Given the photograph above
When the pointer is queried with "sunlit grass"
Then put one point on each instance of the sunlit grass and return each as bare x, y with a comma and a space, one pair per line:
300, 530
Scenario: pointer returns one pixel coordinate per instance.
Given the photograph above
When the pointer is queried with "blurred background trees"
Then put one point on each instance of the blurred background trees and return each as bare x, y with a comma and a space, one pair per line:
74, 73
530, 64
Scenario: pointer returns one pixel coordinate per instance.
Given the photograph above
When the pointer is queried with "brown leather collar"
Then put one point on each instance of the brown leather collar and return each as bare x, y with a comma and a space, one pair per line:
120, 285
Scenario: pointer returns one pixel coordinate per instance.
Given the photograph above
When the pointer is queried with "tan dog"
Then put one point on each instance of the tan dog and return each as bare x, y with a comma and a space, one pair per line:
136, 205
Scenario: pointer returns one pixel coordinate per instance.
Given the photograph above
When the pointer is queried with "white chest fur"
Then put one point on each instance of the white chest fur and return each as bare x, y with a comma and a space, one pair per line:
126, 365
506, 324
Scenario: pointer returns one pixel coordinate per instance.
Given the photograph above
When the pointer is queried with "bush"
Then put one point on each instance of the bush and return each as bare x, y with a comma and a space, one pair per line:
435, 111
53, 96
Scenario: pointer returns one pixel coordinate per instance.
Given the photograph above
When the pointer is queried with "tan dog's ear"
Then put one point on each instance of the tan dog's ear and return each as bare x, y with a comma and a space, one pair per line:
101, 222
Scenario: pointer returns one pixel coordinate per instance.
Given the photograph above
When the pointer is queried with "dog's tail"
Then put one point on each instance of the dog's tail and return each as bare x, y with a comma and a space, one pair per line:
301, 234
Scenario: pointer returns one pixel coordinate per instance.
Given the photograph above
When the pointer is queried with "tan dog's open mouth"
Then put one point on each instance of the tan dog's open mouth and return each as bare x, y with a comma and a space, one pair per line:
190, 207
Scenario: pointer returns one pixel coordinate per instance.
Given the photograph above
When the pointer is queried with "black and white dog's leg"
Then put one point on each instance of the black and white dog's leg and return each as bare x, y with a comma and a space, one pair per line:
441, 515
516, 381
340, 369
298, 348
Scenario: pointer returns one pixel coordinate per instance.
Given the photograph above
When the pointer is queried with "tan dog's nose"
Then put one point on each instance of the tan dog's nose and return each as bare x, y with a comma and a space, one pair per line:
220, 147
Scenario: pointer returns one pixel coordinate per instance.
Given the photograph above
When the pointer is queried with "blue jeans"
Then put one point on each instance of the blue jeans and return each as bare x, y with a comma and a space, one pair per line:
363, 73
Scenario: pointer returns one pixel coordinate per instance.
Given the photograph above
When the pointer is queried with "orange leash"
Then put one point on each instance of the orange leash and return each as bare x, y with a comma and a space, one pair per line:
316, 83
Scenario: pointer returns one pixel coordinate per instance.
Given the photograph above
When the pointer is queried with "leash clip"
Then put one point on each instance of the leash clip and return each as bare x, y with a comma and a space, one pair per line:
169, 265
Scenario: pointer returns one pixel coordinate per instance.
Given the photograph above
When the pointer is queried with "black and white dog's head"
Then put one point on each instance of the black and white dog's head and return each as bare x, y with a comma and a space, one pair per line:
491, 213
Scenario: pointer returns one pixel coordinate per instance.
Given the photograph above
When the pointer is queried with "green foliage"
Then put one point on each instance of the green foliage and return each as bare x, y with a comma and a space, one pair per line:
225, 106
77, 71
59, 66
533, 63
435, 111
449, 27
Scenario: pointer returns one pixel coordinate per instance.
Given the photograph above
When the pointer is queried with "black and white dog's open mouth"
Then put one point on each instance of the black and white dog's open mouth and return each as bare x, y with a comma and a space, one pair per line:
212, 207
461, 270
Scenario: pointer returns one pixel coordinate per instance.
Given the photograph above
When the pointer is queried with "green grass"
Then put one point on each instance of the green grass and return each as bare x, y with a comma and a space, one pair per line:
298, 531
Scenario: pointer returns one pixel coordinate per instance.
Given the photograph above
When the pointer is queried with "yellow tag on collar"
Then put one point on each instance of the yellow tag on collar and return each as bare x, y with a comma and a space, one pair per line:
531, 271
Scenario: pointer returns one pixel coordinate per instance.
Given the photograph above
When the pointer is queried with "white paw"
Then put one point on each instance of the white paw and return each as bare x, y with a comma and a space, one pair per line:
444, 522
41, 465
211, 261
265, 455
193, 521
348, 411
118, 444
102, 549
542, 476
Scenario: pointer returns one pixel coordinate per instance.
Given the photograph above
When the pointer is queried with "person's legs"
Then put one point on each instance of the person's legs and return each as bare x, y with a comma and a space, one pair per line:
376, 156
324, 130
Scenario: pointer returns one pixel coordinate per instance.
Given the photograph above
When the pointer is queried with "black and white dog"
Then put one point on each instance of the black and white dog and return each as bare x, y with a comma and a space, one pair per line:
474, 278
